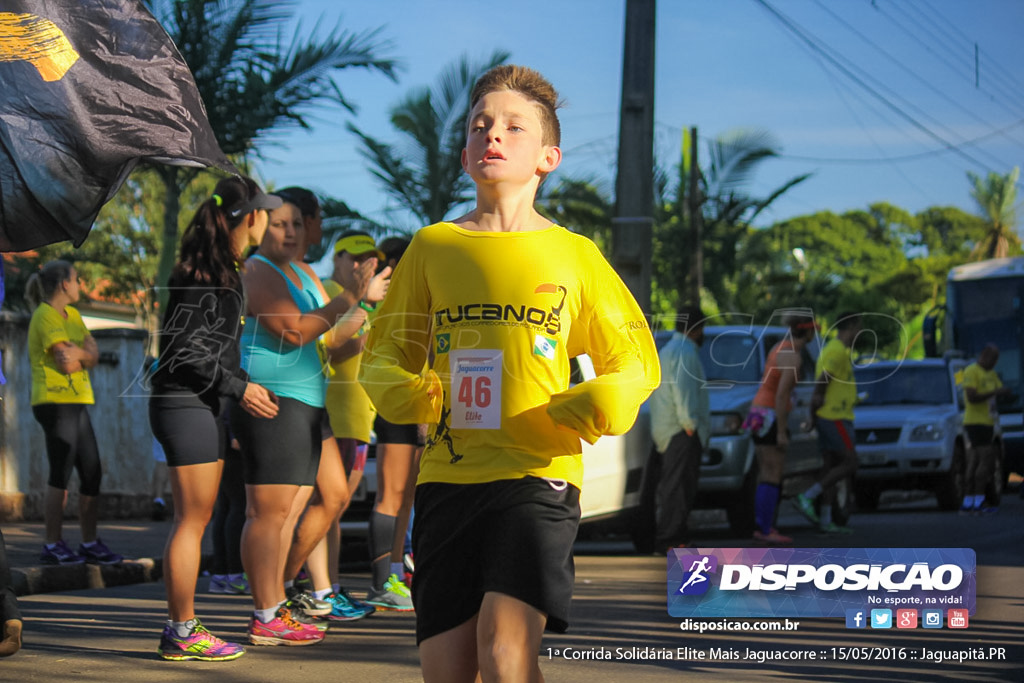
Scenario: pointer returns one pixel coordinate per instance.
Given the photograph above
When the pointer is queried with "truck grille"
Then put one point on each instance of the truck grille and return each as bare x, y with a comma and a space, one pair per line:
870, 437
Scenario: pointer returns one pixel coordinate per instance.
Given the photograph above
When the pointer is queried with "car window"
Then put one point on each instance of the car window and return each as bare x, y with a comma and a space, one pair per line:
731, 356
906, 384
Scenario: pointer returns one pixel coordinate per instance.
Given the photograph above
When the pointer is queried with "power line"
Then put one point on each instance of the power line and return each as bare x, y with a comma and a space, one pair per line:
902, 158
802, 35
1007, 74
938, 91
1013, 108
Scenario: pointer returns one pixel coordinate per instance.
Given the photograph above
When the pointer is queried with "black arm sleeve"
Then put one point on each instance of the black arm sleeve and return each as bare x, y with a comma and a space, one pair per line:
199, 341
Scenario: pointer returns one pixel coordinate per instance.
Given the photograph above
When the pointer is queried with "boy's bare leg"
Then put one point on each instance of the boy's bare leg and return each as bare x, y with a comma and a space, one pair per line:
451, 657
508, 634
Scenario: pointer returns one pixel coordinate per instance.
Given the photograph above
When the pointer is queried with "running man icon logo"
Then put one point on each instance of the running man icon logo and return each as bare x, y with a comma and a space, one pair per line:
695, 580
28, 38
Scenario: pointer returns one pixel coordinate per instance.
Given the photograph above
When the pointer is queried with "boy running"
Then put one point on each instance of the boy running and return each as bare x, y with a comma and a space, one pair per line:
503, 299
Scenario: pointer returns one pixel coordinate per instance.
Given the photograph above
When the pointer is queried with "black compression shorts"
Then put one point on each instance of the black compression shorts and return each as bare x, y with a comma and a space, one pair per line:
284, 449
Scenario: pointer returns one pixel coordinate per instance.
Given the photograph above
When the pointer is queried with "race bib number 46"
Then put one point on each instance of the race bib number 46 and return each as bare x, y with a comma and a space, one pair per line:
476, 388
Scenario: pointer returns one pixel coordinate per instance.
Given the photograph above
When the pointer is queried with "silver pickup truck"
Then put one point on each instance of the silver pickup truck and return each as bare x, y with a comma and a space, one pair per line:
910, 433
734, 358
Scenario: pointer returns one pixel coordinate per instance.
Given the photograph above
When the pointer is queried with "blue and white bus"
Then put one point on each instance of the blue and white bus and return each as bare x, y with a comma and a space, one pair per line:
984, 306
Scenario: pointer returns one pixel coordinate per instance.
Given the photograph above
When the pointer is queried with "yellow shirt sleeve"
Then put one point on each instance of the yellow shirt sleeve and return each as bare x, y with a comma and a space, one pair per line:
612, 329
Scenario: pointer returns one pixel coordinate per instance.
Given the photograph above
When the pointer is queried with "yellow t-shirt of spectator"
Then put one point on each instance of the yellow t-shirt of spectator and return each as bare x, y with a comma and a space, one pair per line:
841, 392
983, 381
349, 408
47, 329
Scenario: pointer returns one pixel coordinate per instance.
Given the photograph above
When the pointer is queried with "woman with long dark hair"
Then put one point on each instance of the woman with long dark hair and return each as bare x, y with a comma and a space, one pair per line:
197, 376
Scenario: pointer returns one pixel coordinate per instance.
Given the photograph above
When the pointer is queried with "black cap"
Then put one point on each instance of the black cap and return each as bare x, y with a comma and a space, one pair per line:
260, 201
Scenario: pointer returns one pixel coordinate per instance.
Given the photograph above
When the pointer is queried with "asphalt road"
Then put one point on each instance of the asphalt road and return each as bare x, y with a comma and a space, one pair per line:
619, 620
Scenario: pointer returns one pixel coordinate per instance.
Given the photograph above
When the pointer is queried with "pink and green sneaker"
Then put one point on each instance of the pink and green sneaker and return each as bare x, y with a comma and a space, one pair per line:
199, 644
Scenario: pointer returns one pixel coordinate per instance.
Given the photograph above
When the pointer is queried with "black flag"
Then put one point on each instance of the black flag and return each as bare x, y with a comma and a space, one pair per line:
88, 89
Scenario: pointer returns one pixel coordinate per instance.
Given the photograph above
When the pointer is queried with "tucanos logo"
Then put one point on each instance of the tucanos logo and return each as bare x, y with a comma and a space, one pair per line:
696, 580
809, 582
514, 314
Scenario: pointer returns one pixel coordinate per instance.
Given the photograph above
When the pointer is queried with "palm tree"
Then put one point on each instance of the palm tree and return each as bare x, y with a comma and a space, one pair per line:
251, 81
582, 205
996, 196
424, 173
728, 210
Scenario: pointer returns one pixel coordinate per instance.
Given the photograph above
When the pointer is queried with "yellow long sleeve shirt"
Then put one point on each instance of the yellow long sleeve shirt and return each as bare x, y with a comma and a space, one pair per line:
502, 314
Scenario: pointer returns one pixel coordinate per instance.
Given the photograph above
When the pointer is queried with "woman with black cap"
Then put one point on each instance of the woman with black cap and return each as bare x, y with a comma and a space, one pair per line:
196, 375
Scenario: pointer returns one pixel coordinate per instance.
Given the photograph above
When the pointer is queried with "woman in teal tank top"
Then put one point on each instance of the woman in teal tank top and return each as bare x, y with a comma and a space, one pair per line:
288, 315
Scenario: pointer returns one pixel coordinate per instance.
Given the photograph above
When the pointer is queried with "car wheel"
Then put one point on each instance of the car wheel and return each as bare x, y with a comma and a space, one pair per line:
642, 527
740, 511
867, 497
950, 491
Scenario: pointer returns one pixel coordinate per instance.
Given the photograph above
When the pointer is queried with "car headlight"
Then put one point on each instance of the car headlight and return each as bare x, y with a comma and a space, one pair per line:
725, 424
927, 432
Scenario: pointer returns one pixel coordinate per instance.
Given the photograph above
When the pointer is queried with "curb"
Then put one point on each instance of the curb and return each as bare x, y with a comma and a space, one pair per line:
70, 577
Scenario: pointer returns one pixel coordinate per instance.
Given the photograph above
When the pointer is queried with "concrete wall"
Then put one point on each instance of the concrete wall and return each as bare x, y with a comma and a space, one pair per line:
119, 417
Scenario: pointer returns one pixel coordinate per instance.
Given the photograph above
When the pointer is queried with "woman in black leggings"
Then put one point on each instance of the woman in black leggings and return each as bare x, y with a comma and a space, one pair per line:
61, 351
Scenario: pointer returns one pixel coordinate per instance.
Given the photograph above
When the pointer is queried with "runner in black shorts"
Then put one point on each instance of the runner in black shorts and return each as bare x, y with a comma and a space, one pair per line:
512, 536
474, 340
196, 375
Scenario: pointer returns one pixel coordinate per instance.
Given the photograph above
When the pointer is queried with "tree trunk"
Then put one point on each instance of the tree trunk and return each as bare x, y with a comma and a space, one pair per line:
169, 238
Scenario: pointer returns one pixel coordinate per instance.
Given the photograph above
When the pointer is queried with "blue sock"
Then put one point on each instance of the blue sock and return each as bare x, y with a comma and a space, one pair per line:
766, 499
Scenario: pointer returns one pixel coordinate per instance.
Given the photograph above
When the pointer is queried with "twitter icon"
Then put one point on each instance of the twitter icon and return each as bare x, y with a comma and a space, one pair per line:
881, 618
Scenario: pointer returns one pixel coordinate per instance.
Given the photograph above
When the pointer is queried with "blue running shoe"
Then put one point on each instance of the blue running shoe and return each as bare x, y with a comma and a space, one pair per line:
199, 644
98, 553
60, 553
347, 608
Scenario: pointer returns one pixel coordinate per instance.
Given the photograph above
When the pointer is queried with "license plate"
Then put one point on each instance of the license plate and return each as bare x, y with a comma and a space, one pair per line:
871, 458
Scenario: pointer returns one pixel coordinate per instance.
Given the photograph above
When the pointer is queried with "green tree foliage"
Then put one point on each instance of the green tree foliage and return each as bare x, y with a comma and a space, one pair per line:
253, 80
883, 262
996, 196
423, 172
582, 205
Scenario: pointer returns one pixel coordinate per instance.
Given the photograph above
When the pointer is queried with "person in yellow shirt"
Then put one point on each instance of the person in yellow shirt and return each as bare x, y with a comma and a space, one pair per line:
835, 394
61, 351
981, 387
503, 298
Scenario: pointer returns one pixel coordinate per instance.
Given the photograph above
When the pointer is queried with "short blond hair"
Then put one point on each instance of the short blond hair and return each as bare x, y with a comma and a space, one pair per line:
531, 85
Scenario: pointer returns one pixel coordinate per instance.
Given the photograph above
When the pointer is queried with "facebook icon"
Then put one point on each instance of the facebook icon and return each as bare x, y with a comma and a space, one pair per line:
855, 618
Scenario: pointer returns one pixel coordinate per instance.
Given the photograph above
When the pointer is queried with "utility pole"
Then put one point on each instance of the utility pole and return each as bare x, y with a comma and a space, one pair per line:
694, 202
632, 226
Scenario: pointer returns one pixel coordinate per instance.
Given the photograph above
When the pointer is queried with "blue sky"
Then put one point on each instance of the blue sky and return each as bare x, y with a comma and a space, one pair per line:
721, 65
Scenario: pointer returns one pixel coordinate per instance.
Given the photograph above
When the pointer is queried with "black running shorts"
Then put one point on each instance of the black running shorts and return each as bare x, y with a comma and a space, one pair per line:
980, 435
281, 450
512, 536
389, 432
189, 432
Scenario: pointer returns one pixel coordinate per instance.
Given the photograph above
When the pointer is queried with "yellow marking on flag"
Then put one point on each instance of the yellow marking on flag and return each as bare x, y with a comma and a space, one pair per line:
28, 38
